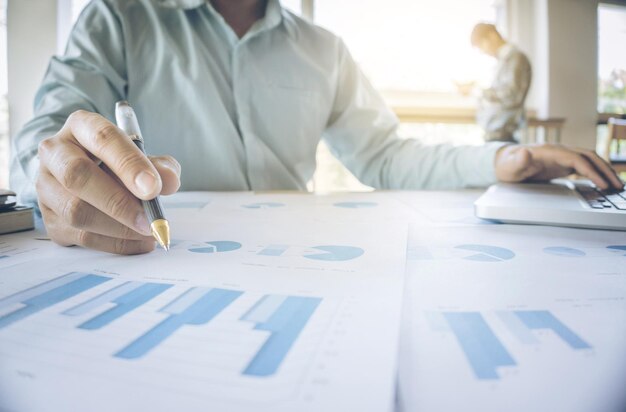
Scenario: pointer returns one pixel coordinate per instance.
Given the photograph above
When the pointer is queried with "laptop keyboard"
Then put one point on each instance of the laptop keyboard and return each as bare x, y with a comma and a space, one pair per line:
598, 199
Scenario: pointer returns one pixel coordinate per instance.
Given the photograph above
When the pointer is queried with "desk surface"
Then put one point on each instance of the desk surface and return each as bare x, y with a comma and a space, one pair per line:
486, 316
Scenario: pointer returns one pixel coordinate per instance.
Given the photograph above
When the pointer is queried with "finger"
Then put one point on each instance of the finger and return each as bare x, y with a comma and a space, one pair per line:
81, 177
79, 214
103, 243
169, 170
111, 145
601, 165
49, 220
583, 166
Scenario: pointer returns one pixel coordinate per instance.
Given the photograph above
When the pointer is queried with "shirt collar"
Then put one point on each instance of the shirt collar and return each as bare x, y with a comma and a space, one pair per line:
273, 12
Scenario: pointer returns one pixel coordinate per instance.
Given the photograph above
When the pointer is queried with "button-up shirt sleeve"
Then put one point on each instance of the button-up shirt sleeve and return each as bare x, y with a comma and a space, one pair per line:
90, 76
362, 133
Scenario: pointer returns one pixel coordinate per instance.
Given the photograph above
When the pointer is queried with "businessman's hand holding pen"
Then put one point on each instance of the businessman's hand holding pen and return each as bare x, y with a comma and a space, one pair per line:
98, 205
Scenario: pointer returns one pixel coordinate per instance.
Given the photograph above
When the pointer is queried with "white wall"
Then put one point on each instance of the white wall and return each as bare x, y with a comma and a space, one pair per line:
521, 31
31, 40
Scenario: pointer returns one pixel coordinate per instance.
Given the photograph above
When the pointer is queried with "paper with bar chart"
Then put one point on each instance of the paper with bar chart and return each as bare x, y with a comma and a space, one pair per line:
240, 314
514, 318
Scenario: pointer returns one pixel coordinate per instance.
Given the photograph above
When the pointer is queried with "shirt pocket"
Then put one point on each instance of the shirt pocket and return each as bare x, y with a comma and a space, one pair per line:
295, 115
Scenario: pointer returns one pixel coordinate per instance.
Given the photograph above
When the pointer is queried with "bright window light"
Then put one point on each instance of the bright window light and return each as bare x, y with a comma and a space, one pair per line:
411, 45
611, 58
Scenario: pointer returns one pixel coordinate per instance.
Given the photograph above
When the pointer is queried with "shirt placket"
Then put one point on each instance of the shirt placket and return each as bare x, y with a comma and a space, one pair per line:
242, 98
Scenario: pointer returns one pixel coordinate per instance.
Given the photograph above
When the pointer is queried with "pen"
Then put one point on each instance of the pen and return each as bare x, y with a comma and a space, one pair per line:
127, 121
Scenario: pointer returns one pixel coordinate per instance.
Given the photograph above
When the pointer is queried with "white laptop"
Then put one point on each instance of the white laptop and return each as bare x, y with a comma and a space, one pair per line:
559, 203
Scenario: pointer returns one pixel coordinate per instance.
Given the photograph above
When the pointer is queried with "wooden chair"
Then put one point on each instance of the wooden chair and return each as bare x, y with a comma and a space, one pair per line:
550, 127
615, 147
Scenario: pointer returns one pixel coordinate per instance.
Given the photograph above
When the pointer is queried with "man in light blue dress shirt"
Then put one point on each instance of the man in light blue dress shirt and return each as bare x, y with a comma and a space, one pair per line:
238, 93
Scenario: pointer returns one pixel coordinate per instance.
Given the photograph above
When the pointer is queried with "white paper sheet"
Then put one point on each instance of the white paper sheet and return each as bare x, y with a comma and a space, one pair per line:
245, 312
514, 318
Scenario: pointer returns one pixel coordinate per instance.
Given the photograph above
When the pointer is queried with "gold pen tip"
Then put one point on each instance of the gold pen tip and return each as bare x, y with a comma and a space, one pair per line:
161, 232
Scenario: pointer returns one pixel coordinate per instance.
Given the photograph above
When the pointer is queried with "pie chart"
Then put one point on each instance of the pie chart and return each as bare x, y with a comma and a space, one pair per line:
355, 205
217, 246
334, 253
618, 249
486, 253
564, 251
263, 205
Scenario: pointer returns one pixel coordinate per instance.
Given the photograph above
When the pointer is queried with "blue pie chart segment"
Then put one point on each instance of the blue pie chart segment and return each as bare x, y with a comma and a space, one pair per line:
564, 251
619, 249
217, 246
263, 205
355, 205
486, 253
334, 253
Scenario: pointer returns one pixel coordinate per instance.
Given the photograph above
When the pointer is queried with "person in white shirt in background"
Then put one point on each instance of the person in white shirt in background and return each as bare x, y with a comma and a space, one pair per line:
501, 112
238, 93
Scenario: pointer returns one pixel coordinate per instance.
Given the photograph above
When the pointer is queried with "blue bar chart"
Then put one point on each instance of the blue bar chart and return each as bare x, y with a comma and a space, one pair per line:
281, 317
197, 306
284, 317
47, 294
127, 297
484, 350
543, 319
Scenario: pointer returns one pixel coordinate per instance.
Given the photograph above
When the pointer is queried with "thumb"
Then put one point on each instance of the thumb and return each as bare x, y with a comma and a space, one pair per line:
169, 170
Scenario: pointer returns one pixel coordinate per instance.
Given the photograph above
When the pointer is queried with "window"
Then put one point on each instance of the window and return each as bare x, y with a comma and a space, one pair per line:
611, 59
413, 51
411, 45
77, 7
4, 106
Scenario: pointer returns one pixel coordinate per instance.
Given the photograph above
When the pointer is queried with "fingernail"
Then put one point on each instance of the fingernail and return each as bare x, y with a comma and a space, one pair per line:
145, 182
142, 225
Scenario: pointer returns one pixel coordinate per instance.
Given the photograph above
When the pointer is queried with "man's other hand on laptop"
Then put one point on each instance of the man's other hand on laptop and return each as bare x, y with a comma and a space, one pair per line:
531, 163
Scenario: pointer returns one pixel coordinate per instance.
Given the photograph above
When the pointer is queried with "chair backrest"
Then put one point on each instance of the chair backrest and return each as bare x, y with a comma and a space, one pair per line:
616, 134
